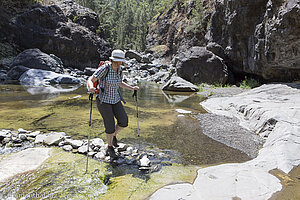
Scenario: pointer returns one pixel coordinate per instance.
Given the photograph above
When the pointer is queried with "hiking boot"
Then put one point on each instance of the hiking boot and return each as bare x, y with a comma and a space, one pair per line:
115, 142
111, 152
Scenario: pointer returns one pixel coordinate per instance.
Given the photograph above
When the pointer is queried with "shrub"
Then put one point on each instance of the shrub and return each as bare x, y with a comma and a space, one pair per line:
249, 83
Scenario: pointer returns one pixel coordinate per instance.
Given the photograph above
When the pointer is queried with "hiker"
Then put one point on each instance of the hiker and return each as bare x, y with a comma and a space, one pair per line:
109, 99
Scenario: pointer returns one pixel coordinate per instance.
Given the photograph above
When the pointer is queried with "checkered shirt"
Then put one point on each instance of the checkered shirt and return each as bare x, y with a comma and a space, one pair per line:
110, 83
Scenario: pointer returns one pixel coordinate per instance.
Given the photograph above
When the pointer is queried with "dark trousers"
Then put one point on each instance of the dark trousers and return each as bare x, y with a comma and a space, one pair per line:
111, 111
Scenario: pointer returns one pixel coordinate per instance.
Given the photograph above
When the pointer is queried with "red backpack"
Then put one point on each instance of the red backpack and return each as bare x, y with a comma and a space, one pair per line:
97, 82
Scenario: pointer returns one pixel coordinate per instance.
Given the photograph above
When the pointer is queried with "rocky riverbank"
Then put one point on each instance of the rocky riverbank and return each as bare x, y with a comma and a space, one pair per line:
23, 140
271, 111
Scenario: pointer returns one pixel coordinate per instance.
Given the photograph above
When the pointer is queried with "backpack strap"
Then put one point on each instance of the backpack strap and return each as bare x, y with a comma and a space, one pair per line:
120, 93
103, 79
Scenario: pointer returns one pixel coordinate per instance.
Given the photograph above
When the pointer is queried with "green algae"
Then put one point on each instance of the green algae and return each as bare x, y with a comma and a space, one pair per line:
63, 176
129, 187
159, 126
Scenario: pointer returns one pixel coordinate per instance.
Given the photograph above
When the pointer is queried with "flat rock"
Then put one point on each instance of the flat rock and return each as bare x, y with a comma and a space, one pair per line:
182, 111
97, 142
180, 85
39, 139
33, 134
272, 111
83, 149
144, 161
26, 160
67, 148
74, 143
54, 139
100, 155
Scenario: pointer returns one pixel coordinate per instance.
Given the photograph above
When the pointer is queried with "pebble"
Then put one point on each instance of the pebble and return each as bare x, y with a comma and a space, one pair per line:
67, 148
128, 155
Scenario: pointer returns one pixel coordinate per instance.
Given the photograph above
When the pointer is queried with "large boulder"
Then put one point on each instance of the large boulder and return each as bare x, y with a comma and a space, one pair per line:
35, 59
180, 85
16, 72
198, 65
47, 28
37, 77
131, 54
259, 37
80, 15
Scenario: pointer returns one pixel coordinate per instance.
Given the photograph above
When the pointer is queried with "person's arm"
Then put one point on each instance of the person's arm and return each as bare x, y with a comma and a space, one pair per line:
126, 86
90, 84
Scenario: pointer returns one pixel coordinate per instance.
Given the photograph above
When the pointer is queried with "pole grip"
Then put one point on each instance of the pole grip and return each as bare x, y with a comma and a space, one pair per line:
135, 94
91, 96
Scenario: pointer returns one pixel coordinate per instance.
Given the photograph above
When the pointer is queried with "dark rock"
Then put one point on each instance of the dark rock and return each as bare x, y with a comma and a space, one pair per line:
64, 80
216, 49
80, 15
153, 70
259, 37
176, 30
35, 59
131, 54
16, 72
199, 65
3, 76
89, 71
180, 85
47, 28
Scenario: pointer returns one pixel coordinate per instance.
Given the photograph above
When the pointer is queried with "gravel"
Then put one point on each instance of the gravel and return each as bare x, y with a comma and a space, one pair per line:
227, 130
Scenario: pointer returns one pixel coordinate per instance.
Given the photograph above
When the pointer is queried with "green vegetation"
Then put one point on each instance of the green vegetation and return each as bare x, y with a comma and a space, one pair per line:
7, 51
126, 23
249, 83
63, 176
196, 17
203, 86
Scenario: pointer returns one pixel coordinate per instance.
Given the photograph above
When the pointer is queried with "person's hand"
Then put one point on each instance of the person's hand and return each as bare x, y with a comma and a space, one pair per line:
92, 90
136, 88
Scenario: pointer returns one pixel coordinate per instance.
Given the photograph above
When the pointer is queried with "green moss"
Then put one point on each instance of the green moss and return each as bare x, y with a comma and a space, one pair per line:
249, 83
63, 176
129, 187
63, 113
7, 51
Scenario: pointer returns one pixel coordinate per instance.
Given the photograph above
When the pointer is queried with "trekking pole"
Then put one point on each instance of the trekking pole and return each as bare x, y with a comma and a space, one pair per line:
137, 114
90, 124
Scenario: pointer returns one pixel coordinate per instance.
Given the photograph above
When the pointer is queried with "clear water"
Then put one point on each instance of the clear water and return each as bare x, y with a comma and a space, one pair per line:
63, 176
160, 127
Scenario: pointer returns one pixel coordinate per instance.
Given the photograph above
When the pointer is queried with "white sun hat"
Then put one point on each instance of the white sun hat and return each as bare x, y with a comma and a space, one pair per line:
118, 55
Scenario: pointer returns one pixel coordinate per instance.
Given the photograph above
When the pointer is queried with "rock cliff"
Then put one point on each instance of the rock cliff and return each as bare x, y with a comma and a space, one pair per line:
50, 29
257, 38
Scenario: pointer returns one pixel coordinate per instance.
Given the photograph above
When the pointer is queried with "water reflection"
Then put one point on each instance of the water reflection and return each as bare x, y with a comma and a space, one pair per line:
159, 125
50, 89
